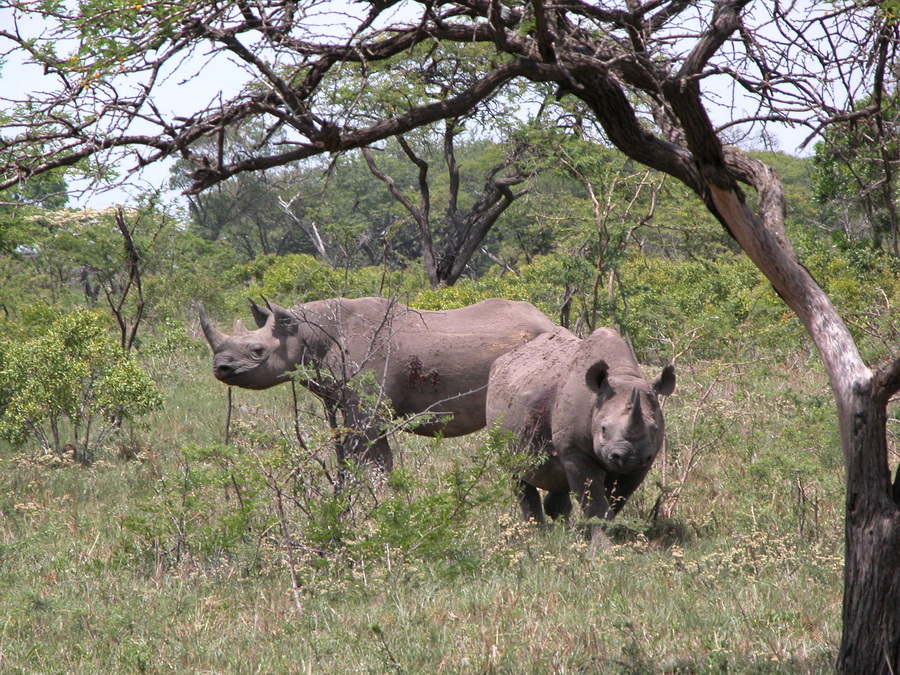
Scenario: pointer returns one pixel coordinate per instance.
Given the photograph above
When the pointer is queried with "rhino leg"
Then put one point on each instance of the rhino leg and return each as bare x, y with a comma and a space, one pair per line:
587, 480
368, 446
557, 504
364, 443
530, 501
619, 488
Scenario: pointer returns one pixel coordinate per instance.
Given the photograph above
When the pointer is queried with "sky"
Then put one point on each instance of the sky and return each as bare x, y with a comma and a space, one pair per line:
220, 77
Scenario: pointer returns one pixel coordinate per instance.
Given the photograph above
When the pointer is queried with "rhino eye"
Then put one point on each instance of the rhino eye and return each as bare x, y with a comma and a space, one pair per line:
257, 351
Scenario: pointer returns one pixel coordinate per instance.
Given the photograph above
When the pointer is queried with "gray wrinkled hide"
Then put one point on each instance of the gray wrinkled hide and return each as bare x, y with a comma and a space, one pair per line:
434, 363
586, 408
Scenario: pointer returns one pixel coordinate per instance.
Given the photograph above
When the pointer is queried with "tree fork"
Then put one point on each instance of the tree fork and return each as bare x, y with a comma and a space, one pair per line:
871, 621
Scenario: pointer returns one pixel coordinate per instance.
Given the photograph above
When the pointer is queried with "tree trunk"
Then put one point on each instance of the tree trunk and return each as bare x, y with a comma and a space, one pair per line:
871, 616
365, 442
870, 641
359, 438
467, 229
871, 629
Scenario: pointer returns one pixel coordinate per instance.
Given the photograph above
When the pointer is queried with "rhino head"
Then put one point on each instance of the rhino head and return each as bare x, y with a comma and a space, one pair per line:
627, 426
260, 358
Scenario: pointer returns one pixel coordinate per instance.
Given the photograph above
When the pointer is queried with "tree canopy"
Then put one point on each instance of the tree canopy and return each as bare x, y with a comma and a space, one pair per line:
672, 84
333, 77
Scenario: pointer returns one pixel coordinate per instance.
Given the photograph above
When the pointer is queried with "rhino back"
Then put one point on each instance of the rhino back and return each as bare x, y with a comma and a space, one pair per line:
608, 344
439, 361
508, 321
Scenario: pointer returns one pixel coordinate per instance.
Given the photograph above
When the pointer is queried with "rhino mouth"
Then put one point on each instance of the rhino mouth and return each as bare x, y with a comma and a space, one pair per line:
626, 459
244, 377
239, 380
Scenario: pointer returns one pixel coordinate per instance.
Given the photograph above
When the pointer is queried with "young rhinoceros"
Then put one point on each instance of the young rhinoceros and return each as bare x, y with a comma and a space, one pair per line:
585, 407
427, 363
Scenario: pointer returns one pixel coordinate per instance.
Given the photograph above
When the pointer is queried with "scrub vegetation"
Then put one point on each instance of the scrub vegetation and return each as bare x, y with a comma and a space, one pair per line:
209, 531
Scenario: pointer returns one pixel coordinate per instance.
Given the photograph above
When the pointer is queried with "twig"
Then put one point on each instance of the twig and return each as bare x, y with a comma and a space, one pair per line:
297, 433
286, 540
228, 418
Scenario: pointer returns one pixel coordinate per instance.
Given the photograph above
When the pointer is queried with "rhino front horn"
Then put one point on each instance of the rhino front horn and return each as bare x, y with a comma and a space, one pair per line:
215, 337
636, 425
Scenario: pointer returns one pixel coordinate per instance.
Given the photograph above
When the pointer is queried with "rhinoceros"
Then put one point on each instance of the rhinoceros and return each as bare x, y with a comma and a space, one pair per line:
584, 411
430, 363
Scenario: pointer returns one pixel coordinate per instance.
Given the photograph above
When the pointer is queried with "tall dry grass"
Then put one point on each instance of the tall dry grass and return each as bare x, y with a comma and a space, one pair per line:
200, 557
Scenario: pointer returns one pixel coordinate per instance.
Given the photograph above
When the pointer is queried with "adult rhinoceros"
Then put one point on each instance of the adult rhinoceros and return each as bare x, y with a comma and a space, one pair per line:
585, 409
432, 363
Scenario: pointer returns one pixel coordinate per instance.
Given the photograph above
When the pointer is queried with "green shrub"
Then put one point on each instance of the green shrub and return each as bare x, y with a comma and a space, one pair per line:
289, 279
74, 374
204, 511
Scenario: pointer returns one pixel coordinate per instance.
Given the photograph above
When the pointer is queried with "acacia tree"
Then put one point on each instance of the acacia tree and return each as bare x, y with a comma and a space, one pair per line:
643, 70
449, 233
856, 165
258, 213
463, 229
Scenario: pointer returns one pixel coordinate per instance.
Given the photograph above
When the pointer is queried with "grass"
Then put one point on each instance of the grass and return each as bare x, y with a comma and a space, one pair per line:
177, 562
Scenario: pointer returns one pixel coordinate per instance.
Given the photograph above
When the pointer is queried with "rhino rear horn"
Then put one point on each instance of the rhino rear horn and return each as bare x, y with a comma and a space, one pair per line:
260, 314
636, 425
214, 337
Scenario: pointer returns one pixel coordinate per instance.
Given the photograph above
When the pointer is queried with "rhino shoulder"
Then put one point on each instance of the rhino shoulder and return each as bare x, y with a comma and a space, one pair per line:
529, 372
609, 345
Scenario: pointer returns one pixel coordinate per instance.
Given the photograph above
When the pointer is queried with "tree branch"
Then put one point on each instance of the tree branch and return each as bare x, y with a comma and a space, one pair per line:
339, 141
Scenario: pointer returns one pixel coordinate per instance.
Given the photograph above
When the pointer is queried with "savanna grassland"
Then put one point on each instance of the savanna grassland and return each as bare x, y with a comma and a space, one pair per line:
176, 553
182, 534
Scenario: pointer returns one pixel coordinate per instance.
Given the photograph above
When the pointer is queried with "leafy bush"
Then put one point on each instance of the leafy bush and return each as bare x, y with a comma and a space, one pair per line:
711, 303
290, 279
184, 521
465, 293
267, 493
73, 374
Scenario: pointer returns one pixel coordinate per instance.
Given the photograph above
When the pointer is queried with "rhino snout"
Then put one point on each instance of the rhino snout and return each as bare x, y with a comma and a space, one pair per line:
225, 368
624, 458
223, 371
628, 459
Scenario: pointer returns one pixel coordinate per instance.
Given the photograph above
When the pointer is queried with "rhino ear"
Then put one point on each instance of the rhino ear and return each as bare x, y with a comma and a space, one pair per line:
283, 321
664, 384
595, 378
260, 314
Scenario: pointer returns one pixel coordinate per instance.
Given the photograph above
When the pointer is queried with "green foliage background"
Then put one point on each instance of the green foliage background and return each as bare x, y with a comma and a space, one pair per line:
174, 552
